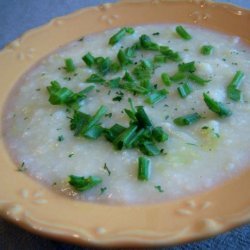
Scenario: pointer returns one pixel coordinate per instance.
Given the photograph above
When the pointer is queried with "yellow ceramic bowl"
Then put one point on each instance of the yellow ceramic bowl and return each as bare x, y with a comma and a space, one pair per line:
35, 207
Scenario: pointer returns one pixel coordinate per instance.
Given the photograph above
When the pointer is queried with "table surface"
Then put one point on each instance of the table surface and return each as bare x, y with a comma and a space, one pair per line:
19, 16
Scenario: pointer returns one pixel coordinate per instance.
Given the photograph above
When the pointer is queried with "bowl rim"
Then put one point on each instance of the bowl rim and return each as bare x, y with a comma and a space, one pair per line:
190, 218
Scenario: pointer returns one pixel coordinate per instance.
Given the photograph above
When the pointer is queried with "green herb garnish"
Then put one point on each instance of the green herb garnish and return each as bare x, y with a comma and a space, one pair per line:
144, 169
187, 119
120, 34
69, 65
184, 90
89, 59
60, 138
147, 44
82, 183
187, 67
107, 169
197, 79
206, 50
217, 107
181, 31
233, 91
159, 188
166, 79
156, 96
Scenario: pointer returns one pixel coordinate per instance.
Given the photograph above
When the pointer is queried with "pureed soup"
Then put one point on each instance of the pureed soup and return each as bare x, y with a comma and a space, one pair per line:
134, 115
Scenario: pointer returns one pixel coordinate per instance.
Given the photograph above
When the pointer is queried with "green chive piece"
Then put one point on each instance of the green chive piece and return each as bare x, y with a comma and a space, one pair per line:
127, 77
115, 67
181, 31
142, 118
184, 90
178, 76
112, 133
94, 133
233, 91
136, 139
170, 54
103, 65
62, 95
125, 137
144, 169
197, 79
94, 119
149, 148
82, 183
159, 135
120, 34
89, 59
217, 107
144, 70
157, 96
160, 59
206, 50
123, 58
69, 65
187, 119
94, 78
114, 83
166, 79
187, 67
147, 44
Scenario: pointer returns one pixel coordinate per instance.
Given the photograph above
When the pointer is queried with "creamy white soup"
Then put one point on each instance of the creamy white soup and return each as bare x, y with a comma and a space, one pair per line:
134, 115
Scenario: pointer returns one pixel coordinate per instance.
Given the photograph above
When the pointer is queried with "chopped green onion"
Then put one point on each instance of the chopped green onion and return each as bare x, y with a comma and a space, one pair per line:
136, 139
157, 96
82, 183
69, 65
120, 34
115, 67
94, 119
103, 65
62, 95
125, 137
143, 168
142, 118
94, 132
159, 135
206, 50
146, 43
143, 70
233, 91
114, 83
178, 76
217, 107
166, 79
198, 79
184, 90
127, 77
160, 59
187, 119
149, 148
94, 78
113, 132
170, 54
180, 30
123, 58
187, 67
89, 59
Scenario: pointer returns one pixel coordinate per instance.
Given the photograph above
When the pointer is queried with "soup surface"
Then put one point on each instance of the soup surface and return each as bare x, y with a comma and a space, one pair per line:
148, 115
